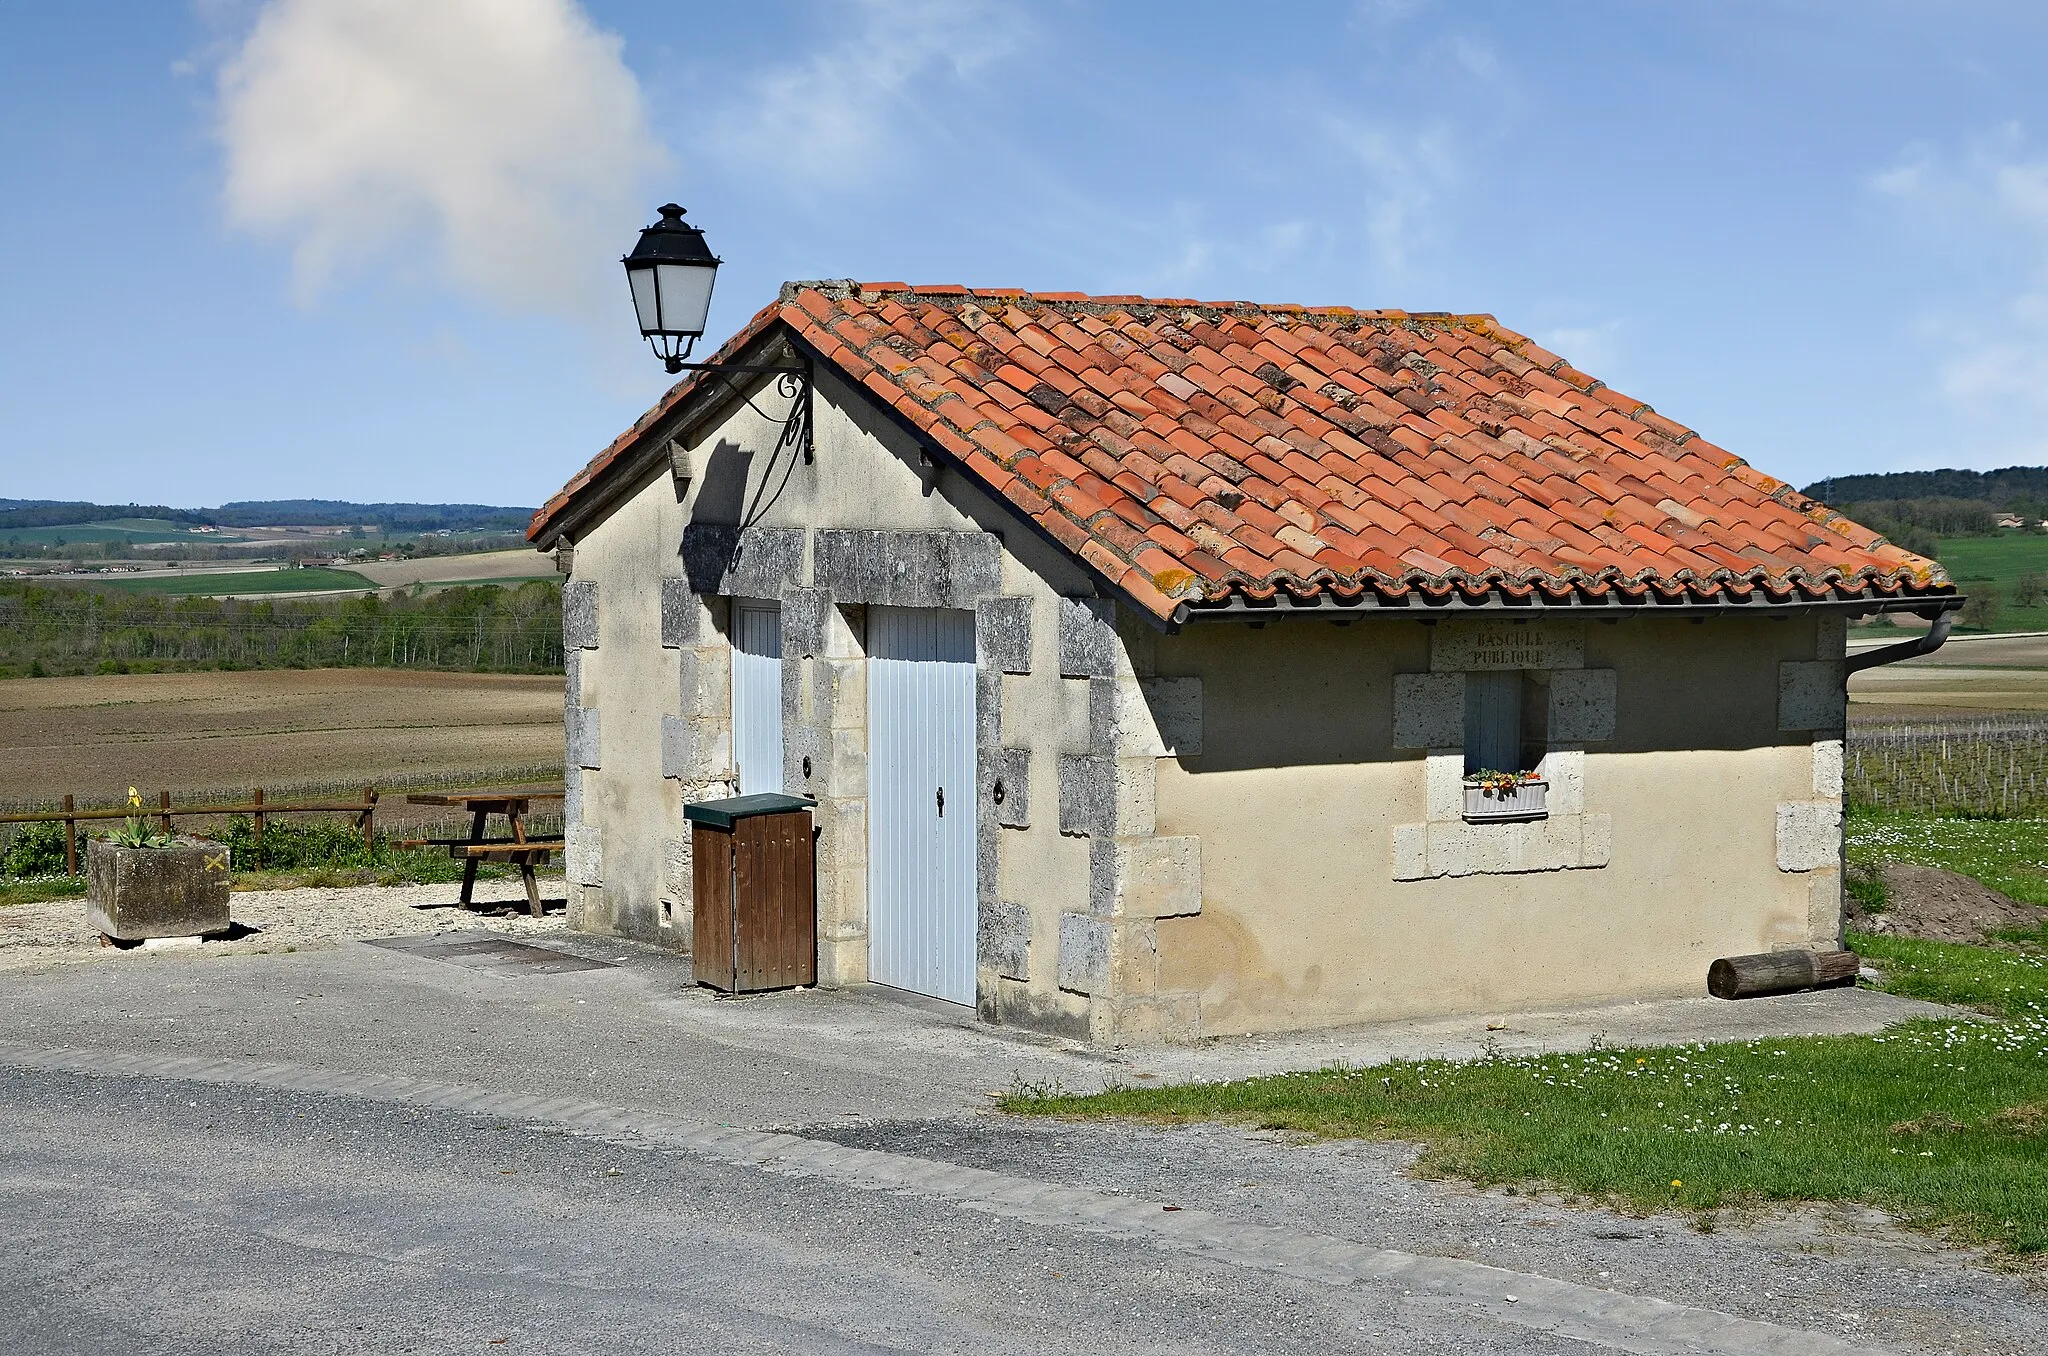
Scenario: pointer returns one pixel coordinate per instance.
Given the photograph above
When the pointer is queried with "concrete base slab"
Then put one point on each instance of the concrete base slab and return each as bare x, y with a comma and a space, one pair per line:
172, 943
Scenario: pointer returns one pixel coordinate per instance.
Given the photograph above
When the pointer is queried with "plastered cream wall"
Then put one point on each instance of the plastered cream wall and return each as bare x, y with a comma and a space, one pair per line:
753, 519
1712, 828
1222, 830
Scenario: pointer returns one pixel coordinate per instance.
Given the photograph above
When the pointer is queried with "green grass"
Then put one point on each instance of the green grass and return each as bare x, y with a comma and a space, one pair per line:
36, 889
2009, 982
248, 581
1942, 1124
2009, 855
117, 530
1998, 561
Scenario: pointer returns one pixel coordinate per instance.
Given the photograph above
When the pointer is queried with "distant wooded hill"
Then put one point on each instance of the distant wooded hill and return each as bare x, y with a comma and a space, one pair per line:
2003, 488
392, 518
1921, 509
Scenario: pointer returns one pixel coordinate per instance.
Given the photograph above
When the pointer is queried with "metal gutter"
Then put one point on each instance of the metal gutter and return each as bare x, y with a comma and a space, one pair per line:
1905, 649
1285, 607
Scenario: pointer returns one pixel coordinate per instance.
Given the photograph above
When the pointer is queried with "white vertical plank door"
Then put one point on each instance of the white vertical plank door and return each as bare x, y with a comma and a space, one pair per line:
921, 801
757, 695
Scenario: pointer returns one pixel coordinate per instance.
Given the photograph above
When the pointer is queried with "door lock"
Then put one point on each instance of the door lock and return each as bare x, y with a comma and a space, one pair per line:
942, 802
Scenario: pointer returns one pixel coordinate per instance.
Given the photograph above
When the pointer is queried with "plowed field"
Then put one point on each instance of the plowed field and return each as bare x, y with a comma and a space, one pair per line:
279, 729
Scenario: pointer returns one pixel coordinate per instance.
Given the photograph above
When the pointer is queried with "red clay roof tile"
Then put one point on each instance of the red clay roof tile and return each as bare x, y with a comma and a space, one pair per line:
1319, 449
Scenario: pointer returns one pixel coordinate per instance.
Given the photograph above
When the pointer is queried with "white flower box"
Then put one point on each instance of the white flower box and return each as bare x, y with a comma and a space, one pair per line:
1492, 804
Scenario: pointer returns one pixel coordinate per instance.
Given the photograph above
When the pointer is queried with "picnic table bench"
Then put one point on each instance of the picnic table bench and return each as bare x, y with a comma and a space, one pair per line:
523, 852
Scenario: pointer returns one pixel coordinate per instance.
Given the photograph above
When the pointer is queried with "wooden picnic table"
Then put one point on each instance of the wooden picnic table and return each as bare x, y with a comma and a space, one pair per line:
524, 852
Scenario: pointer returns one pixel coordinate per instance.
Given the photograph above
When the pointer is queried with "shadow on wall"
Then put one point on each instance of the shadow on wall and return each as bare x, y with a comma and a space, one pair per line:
1304, 693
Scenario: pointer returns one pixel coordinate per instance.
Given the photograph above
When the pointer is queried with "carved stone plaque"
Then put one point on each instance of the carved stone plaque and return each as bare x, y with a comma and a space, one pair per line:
1477, 646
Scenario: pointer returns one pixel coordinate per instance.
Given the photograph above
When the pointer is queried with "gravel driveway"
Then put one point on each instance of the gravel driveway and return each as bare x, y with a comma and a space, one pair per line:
35, 936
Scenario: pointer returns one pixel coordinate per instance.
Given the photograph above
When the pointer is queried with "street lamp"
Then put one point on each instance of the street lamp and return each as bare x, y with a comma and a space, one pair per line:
671, 271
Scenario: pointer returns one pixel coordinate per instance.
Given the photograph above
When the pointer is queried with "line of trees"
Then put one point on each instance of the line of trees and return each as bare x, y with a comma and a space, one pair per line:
2008, 488
46, 630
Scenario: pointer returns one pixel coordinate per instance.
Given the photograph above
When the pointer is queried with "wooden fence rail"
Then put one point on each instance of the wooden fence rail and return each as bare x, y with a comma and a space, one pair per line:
365, 811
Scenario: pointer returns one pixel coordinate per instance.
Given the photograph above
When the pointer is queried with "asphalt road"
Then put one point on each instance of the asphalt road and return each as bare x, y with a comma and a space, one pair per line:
362, 1150
150, 1216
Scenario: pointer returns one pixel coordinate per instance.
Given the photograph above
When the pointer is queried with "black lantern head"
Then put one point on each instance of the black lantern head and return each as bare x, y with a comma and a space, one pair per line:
671, 272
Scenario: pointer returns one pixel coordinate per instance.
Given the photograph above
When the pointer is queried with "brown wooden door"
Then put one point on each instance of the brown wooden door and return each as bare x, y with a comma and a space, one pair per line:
711, 926
774, 885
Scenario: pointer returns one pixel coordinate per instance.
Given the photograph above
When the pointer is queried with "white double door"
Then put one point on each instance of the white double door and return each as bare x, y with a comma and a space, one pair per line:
921, 801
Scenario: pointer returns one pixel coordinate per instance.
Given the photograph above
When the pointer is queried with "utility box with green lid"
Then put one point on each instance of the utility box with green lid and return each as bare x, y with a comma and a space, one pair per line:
754, 877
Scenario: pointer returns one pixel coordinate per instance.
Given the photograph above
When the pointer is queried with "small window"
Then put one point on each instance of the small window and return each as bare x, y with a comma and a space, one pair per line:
1506, 721
1507, 718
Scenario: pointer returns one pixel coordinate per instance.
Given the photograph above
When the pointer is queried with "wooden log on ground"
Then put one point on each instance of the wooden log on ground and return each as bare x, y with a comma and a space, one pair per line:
1780, 972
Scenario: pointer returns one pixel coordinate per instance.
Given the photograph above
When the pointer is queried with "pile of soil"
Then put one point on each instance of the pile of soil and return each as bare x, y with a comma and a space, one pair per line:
1940, 906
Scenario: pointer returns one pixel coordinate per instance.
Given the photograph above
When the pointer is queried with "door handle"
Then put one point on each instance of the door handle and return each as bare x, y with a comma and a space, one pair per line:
942, 802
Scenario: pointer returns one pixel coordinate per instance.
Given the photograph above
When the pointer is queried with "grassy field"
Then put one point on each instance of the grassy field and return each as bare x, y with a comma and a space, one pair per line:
116, 530
235, 583
275, 728
2009, 855
1942, 1124
1999, 561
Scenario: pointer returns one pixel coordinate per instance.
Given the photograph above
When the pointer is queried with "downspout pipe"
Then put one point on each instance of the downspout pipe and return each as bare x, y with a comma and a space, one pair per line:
1905, 649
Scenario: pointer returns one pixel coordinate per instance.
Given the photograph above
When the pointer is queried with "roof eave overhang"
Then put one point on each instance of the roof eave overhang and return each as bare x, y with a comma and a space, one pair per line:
1325, 607
647, 455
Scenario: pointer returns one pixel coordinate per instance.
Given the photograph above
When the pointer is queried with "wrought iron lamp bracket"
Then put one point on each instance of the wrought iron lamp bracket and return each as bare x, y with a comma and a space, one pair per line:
793, 382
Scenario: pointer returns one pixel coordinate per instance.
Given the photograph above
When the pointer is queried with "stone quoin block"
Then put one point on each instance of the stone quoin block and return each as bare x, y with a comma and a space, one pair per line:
1827, 768
728, 562
572, 676
988, 859
974, 568
580, 727
678, 748
1581, 706
988, 709
803, 622
1429, 710
1087, 795
1105, 720
1002, 634
1812, 695
1004, 939
1145, 877
908, 569
572, 795
675, 867
579, 614
682, 614
1010, 770
1809, 835
1087, 638
583, 854
1084, 953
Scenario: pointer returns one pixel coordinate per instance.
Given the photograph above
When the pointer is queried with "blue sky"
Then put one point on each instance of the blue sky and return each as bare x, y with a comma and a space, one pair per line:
367, 249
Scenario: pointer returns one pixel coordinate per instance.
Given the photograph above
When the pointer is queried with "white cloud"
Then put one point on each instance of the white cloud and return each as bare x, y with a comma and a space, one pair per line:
1404, 173
1593, 349
837, 116
507, 136
1983, 212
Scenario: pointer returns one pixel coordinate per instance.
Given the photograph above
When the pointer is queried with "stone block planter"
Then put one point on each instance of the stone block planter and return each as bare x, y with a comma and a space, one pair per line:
1490, 804
133, 894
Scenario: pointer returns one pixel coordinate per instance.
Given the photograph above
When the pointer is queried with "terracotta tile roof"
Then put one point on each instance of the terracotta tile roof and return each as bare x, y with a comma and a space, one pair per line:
1205, 454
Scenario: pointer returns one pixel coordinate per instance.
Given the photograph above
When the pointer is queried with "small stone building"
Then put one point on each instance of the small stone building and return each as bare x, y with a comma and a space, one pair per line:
1137, 652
